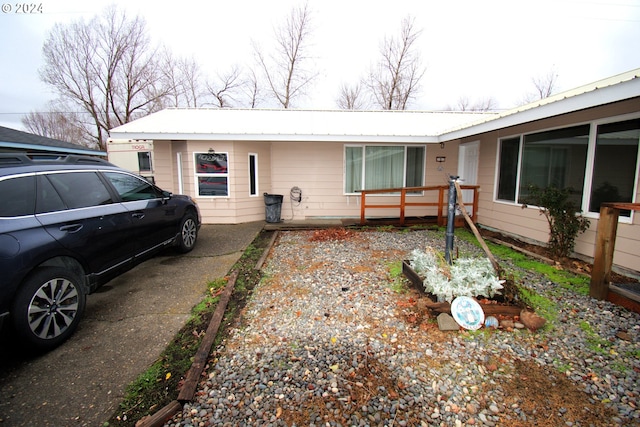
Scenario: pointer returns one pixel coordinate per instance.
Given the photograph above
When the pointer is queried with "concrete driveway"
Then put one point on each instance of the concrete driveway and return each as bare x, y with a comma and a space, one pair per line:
127, 324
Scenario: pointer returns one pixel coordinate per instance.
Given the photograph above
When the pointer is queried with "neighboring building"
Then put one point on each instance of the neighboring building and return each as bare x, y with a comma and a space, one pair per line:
12, 140
136, 156
586, 139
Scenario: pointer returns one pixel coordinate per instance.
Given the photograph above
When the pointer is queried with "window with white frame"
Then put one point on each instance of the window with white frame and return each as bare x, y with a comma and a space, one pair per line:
369, 167
598, 163
212, 174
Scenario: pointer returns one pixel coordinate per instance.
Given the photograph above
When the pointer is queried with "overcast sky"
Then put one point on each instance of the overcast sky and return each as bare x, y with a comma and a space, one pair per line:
471, 48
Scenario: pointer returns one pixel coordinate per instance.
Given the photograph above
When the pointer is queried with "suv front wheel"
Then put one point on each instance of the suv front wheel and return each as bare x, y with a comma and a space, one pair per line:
48, 307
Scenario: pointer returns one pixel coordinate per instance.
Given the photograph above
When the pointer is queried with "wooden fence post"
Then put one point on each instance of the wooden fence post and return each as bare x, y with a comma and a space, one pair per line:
603, 255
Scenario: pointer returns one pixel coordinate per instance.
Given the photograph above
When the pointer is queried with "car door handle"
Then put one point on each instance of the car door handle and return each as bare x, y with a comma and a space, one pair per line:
138, 215
71, 228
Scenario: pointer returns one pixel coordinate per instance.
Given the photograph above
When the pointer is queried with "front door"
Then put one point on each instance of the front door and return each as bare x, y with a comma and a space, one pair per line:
468, 155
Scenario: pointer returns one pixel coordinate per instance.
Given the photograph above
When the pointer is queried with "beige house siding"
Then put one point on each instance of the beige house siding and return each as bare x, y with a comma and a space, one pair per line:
318, 170
239, 206
528, 223
163, 168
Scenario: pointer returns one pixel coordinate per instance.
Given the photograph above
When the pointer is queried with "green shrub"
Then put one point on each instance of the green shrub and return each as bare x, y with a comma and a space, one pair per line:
562, 214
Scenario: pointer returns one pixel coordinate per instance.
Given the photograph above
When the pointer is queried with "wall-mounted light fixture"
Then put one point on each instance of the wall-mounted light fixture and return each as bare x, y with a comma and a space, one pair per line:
212, 151
441, 159
442, 145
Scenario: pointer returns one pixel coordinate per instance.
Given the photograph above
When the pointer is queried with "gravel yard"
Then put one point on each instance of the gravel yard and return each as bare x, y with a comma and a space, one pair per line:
329, 338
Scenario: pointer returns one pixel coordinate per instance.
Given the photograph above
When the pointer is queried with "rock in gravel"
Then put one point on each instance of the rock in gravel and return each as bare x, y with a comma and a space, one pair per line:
447, 323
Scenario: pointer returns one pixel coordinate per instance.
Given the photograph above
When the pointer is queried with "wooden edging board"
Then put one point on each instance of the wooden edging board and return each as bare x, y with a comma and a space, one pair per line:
193, 375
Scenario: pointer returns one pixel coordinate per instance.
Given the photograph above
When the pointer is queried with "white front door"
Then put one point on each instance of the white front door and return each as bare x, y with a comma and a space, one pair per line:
468, 154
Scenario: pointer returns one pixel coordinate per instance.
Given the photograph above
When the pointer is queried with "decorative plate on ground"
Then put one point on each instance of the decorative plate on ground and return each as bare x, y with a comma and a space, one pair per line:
467, 313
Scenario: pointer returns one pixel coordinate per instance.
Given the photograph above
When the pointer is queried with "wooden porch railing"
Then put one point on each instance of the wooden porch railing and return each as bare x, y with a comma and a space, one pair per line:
441, 203
605, 246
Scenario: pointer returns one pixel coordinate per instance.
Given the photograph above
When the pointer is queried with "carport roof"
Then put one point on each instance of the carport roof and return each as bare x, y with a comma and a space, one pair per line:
16, 140
295, 125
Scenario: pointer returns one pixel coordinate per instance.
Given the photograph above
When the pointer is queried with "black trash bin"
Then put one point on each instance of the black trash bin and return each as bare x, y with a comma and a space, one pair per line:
272, 207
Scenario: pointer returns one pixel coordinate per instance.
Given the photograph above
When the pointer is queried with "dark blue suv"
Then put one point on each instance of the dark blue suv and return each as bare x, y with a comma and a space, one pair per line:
70, 224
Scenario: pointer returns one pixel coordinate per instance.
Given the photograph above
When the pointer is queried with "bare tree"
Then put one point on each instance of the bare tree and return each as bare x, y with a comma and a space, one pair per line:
284, 70
395, 80
60, 125
544, 86
252, 89
106, 67
487, 103
483, 104
183, 79
462, 104
351, 98
226, 87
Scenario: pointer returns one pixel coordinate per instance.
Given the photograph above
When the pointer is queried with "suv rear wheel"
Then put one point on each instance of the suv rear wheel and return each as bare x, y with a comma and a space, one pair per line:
48, 307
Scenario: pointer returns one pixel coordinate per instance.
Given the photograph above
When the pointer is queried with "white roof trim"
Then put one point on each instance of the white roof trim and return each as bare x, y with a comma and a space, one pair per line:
299, 138
614, 89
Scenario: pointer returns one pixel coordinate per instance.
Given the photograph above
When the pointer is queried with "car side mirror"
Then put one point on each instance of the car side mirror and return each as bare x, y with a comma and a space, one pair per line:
166, 196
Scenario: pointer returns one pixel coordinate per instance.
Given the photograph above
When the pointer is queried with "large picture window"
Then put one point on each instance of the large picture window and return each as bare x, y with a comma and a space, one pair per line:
562, 158
372, 167
212, 174
615, 166
555, 159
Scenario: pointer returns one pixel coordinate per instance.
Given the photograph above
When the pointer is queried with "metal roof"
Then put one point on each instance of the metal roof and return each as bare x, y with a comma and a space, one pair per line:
366, 126
294, 125
24, 141
613, 89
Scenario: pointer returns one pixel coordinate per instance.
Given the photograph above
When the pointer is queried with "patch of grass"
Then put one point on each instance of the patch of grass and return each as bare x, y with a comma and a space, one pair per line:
541, 304
596, 343
159, 384
620, 367
564, 278
396, 276
395, 269
479, 334
633, 354
562, 367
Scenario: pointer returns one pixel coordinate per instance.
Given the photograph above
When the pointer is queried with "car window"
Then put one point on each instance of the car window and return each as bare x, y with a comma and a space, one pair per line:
18, 196
48, 199
132, 188
80, 189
